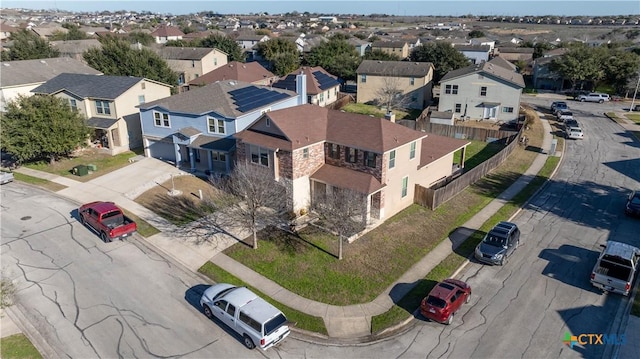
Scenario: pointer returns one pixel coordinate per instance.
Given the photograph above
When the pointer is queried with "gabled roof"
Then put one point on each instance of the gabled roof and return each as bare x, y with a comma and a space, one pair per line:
395, 68
516, 50
214, 97
489, 68
203, 34
245, 72
75, 46
389, 44
318, 80
343, 177
308, 124
165, 31
26, 72
89, 86
473, 48
434, 147
184, 53
504, 63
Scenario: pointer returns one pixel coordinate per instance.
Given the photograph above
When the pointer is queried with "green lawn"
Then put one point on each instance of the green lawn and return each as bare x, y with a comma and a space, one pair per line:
635, 117
18, 346
105, 163
405, 307
478, 152
302, 320
39, 182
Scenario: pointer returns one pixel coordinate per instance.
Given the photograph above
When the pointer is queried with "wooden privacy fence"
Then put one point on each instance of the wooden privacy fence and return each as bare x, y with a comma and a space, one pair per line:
464, 132
432, 197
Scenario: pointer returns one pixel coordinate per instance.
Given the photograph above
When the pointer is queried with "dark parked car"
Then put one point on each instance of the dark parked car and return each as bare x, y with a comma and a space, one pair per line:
632, 208
501, 241
558, 105
444, 300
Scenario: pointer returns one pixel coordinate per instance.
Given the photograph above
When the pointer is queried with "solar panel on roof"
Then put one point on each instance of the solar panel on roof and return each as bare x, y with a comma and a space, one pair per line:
325, 81
257, 97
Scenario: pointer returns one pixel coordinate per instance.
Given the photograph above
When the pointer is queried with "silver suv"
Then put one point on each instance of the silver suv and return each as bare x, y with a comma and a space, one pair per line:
594, 97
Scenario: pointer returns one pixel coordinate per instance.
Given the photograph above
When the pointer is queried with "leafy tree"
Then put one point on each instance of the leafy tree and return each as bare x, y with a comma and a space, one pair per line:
620, 67
380, 55
342, 212
140, 37
579, 64
73, 33
282, 54
118, 58
27, 45
223, 43
251, 197
35, 127
442, 55
539, 48
336, 56
475, 34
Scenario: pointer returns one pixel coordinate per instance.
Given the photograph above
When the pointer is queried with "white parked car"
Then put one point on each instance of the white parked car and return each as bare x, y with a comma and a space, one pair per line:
594, 97
565, 115
574, 133
6, 177
256, 320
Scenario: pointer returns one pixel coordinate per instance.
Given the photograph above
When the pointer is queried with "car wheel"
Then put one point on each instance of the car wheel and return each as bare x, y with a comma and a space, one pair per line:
581, 100
104, 237
82, 220
449, 319
601, 101
503, 261
248, 342
207, 311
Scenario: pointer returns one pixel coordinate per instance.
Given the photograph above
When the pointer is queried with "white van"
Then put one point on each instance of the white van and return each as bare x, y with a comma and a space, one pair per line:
258, 322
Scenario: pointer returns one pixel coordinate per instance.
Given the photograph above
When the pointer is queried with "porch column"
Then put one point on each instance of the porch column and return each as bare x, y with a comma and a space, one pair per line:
462, 155
227, 162
176, 151
210, 161
145, 146
367, 214
192, 158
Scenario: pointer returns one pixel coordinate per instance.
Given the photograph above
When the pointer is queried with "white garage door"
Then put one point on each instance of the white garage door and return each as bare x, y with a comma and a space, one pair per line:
162, 150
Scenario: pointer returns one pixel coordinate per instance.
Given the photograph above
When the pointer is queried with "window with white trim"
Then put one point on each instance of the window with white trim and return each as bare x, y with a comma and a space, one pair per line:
351, 154
73, 104
507, 109
161, 119
392, 159
451, 89
305, 153
458, 108
363, 78
216, 125
140, 99
412, 81
405, 185
370, 159
259, 155
102, 107
483, 91
412, 150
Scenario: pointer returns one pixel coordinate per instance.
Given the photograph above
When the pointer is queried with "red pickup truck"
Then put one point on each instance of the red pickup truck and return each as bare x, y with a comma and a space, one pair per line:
107, 220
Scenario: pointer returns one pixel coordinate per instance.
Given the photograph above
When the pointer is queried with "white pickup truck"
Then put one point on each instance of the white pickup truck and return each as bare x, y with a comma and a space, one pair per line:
615, 269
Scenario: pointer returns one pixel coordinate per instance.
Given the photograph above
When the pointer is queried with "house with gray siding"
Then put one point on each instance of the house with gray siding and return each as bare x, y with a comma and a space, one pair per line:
487, 91
194, 130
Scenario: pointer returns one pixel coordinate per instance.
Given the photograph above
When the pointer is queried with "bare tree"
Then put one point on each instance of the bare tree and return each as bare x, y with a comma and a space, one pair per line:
341, 211
390, 94
251, 197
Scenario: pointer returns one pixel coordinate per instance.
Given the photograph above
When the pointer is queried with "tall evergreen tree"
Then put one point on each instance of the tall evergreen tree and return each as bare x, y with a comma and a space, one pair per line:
442, 55
282, 54
336, 56
27, 45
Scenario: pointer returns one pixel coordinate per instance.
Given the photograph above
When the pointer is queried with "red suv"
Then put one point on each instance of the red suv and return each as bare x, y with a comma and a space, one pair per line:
444, 300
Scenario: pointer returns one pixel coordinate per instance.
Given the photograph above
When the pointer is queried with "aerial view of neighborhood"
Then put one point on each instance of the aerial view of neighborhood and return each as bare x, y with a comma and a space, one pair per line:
410, 181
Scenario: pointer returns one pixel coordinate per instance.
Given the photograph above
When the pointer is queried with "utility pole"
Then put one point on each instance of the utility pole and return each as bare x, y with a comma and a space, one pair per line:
633, 100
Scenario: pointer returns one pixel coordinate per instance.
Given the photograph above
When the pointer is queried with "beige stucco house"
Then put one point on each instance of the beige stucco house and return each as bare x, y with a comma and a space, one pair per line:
414, 80
166, 33
322, 87
20, 77
313, 150
110, 105
487, 91
192, 62
398, 48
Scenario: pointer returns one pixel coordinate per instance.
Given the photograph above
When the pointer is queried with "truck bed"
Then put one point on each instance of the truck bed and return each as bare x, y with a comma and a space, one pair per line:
614, 270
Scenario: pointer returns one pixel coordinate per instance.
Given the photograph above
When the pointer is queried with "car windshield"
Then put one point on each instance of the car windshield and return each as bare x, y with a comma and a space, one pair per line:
635, 199
494, 240
274, 324
436, 302
222, 293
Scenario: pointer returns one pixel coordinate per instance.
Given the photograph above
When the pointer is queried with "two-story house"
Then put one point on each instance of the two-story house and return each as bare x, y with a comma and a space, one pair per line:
398, 48
312, 150
109, 103
20, 77
192, 62
251, 72
322, 87
165, 33
194, 129
248, 43
476, 53
487, 91
414, 80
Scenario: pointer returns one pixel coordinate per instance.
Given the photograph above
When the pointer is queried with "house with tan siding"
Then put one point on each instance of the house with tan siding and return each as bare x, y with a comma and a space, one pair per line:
398, 48
313, 150
109, 103
165, 33
414, 80
192, 62
487, 91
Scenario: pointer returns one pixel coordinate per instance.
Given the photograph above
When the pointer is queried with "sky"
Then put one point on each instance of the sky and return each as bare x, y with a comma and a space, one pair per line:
360, 7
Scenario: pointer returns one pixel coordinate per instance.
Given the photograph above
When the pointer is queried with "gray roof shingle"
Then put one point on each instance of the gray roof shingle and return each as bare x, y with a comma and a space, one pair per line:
394, 68
214, 97
25, 72
89, 86
489, 68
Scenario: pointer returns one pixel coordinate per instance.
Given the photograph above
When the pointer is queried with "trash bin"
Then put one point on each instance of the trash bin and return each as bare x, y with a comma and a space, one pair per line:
80, 170
92, 167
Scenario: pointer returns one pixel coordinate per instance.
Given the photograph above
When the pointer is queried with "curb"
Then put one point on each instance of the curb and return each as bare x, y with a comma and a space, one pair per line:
29, 331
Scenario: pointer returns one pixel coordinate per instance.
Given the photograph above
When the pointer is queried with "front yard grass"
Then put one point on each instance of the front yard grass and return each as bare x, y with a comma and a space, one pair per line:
307, 265
38, 182
18, 346
635, 117
302, 320
104, 162
144, 228
478, 152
